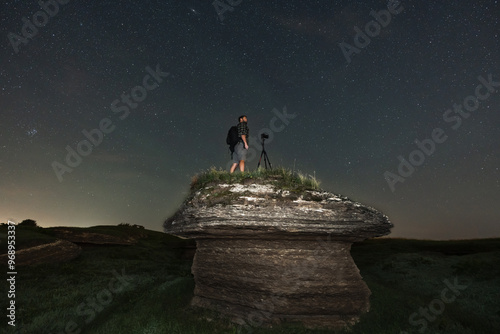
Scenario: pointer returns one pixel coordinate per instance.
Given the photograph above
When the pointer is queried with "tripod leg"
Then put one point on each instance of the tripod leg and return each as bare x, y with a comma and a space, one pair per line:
266, 160
258, 165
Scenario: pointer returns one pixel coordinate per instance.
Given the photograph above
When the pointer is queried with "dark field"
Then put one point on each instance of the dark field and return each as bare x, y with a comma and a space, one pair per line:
417, 287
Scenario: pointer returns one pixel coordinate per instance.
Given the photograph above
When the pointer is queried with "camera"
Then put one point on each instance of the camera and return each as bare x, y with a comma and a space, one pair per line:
264, 136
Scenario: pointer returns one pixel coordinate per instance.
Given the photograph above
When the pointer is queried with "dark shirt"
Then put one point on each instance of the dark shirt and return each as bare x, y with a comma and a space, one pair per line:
243, 130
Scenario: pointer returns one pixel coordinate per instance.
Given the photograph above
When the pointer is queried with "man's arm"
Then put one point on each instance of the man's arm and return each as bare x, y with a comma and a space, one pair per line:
244, 138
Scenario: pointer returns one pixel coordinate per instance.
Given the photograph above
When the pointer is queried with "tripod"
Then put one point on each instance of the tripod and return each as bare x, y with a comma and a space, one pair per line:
264, 154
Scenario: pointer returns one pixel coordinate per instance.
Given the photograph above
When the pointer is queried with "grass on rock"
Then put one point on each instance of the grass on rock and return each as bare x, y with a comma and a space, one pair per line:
280, 177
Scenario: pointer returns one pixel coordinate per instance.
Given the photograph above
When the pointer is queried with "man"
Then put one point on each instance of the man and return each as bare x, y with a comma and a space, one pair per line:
241, 149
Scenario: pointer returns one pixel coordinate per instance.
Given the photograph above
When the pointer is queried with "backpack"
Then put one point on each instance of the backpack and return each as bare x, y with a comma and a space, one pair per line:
232, 138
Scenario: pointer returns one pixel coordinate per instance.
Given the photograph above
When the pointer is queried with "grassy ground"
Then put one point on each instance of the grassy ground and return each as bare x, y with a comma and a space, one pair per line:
281, 177
407, 279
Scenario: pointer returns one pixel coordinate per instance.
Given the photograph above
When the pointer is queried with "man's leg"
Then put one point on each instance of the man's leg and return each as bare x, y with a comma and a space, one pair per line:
233, 167
242, 165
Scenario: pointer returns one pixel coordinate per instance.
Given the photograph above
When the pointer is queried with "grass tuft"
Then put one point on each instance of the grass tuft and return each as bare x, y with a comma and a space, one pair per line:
281, 177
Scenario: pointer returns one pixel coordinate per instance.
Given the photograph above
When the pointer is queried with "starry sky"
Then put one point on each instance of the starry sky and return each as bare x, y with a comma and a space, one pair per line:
108, 108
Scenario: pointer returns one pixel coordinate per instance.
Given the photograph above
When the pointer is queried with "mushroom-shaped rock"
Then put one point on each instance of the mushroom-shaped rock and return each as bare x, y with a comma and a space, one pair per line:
267, 255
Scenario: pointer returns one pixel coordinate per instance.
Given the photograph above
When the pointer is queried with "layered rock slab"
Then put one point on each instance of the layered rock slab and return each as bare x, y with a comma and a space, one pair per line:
267, 255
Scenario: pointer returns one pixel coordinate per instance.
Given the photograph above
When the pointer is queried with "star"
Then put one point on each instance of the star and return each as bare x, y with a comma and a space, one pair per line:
32, 132
194, 11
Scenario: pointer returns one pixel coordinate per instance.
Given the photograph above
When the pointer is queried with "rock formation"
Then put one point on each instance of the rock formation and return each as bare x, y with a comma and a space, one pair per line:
61, 244
266, 255
54, 252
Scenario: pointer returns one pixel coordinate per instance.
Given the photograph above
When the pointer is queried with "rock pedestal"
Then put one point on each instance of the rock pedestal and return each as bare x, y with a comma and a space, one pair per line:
266, 255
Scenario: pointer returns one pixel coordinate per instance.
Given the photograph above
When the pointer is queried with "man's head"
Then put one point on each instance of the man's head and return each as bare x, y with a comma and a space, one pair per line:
242, 118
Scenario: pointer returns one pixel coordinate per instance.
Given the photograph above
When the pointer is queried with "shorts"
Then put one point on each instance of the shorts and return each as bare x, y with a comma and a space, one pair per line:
240, 153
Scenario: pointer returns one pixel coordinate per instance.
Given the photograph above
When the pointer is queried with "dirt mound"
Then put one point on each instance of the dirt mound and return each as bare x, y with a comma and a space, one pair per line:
85, 237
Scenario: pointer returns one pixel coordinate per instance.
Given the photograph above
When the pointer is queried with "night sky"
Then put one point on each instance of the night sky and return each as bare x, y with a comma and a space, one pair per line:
399, 112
